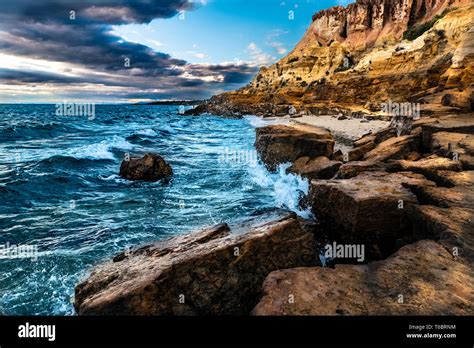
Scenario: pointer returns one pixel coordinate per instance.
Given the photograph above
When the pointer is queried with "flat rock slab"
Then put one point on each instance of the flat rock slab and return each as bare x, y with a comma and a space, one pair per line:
453, 124
277, 144
452, 227
215, 271
369, 209
428, 166
315, 168
351, 169
450, 179
420, 279
394, 148
455, 146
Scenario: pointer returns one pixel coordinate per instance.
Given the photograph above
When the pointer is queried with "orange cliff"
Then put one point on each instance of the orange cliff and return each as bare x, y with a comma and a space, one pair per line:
354, 59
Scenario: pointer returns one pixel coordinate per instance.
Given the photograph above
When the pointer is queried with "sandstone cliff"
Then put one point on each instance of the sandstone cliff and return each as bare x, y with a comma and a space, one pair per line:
355, 58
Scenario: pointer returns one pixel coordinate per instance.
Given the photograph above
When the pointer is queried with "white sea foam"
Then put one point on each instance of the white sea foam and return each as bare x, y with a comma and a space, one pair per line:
147, 132
256, 121
100, 150
286, 189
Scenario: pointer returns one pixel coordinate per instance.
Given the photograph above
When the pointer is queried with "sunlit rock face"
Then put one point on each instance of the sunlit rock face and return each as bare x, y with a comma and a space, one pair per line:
354, 59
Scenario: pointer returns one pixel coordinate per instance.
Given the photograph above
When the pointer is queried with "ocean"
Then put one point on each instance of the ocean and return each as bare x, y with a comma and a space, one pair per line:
60, 192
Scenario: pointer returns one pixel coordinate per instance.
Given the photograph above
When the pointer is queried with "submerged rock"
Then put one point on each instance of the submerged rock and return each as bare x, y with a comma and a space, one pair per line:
277, 144
217, 271
150, 167
420, 279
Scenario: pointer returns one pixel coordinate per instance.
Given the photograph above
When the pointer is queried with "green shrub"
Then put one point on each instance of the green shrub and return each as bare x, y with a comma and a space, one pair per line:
416, 31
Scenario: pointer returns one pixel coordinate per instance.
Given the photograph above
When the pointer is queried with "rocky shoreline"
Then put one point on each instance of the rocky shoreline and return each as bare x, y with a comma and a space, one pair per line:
398, 205
408, 202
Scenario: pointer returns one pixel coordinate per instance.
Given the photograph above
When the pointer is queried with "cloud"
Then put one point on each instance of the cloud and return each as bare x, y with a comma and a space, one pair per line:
273, 41
83, 41
258, 56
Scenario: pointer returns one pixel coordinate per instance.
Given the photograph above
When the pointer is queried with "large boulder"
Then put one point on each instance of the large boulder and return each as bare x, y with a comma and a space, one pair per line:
216, 271
277, 144
369, 209
150, 167
420, 279
315, 168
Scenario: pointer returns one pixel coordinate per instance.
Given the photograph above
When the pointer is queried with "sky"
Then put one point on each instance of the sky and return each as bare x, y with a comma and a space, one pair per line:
142, 50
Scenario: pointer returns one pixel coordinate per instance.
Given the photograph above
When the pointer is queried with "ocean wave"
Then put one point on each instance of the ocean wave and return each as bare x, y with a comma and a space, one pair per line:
102, 150
147, 132
286, 189
257, 122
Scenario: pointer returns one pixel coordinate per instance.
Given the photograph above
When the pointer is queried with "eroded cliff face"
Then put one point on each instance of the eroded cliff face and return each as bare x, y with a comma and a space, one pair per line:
354, 59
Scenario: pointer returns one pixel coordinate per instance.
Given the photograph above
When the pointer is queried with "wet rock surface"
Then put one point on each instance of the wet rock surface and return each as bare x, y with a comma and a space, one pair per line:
316, 168
151, 167
277, 144
217, 271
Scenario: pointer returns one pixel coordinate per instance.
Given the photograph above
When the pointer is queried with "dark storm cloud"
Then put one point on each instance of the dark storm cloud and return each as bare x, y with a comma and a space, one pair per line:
44, 30
94, 11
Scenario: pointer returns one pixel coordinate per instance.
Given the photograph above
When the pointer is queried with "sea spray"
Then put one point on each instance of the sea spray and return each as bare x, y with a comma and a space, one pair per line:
286, 189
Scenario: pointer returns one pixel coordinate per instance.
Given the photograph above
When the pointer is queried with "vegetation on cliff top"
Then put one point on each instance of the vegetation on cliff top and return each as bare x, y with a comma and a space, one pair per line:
417, 30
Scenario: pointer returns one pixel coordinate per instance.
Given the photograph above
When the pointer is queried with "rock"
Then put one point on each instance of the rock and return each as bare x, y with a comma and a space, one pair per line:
450, 179
452, 227
338, 156
364, 140
413, 156
198, 110
427, 166
213, 272
445, 197
342, 118
394, 148
456, 146
385, 134
463, 124
368, 209
352, 169
278, 144
420, 279
458, 100
150, 167
353, 59
316, 168
358, 153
